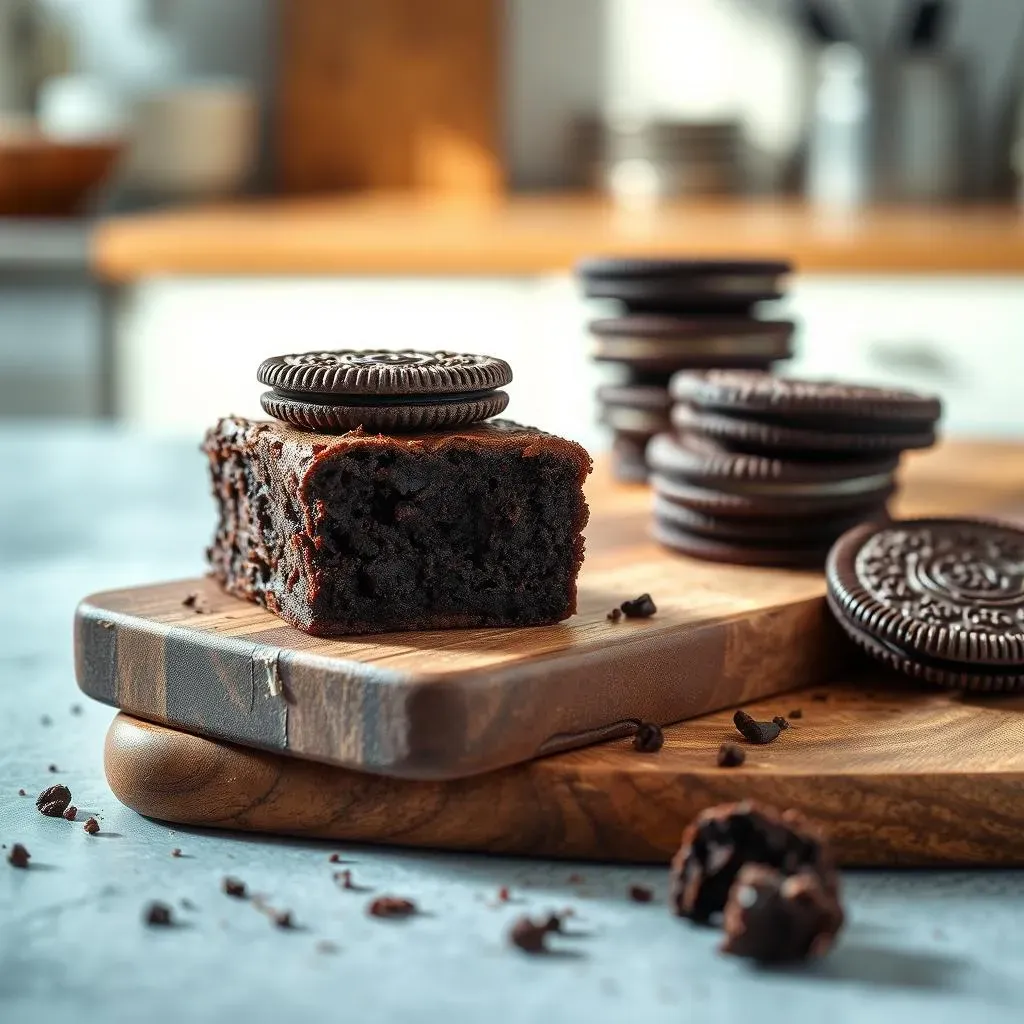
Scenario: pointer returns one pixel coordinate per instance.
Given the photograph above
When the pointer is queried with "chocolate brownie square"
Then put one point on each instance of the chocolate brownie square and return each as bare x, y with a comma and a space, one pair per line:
366, 533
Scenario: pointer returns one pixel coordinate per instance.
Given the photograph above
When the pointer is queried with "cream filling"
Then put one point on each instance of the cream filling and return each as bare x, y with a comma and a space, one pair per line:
638, 421
823, 489
747, 345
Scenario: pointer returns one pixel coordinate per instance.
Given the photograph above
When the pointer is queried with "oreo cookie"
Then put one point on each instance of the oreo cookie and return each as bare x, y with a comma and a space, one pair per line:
637, 409
683, 285
628, 462
666, 343
401, 391
938, 599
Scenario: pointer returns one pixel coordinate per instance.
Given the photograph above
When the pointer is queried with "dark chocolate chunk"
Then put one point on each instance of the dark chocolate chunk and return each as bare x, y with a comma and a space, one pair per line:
640, 894
70, 812
774, 918
753, 731
780, 722
158, 915
648, 738
391, 906
730, 756
530, 936
53, 801
234, 887
641, 607
92, 826
18, 856
721, 840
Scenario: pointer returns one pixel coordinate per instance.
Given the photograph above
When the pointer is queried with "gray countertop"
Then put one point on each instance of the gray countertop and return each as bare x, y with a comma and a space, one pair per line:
84, 510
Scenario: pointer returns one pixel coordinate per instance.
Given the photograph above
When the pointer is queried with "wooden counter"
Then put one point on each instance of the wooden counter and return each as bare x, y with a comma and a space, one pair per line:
534, 235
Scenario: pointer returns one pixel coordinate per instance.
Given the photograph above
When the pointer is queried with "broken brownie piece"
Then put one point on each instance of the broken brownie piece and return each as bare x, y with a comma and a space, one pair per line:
721, 840
361, 533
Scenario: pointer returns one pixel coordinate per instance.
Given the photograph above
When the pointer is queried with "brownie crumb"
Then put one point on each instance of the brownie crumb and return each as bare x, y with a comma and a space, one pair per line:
52, 768
53, 801
649, 738
773, 918
158, 915
781, 722
503, 894
196, 602
730, 756
640, 894
92, 826
22, 792
796, 713
530, 936
76, 709
176, 852
391, 906
19, 856
614, 615
233, 887
335, 858
753, 731
45, 720
722, 840
641, 607
282, 918
71, 812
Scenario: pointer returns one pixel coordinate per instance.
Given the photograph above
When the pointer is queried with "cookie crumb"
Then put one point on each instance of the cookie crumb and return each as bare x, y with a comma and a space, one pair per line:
195, 601
54, 801
92, 826
730, 756
796, 713
344, 879
53, 768
22, 792
753, 731
233, 887
649, 738
391, 906
614, 615
282, 918
531, 937
19, 856
780, 722
641, 607
335, 858
640, 894
158, 915
71, 812
176, 852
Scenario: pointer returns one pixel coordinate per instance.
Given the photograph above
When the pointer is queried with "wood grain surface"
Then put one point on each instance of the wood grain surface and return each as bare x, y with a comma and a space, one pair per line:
896, 774
453, 703
393, 94
389, 234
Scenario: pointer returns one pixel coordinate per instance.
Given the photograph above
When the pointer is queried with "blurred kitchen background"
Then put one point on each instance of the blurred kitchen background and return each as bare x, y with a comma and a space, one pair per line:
188, 186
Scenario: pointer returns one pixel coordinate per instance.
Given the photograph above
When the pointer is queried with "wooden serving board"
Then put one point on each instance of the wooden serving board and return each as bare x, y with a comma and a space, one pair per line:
896, 774
453, 703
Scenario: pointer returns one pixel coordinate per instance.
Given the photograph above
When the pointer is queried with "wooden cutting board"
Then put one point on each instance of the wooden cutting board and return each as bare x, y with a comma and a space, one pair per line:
896, 774
453, 703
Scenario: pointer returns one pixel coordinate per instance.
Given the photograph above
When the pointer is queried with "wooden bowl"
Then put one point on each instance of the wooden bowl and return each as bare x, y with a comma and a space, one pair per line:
46, 177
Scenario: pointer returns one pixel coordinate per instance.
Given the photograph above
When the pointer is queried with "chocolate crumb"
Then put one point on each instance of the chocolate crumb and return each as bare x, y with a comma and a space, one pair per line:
780, 722
45, 720
730, 756
53, 801
71, 812
796, 713
22, 792
19, 856
753, 731
391, 906
176, 852
503, 894
196, 602
76, 709
53, 768
344, 879
649, 738
92, 826
158, 915
614, 615
234, 887
335, 858
529, 936
641, 607
640, 894
282, 918
554, 921
819, 696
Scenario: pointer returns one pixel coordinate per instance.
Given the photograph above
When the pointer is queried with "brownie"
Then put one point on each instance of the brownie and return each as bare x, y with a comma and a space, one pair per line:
365, 533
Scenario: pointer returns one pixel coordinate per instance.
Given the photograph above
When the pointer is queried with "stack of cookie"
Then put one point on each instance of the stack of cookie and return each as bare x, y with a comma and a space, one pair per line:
678, 314
763, 470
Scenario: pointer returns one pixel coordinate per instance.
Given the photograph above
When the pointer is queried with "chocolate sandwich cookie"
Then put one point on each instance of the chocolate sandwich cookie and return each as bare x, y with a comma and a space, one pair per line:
628, 462
733, 483
940, 599
663, 343
403, 391
690, 285
740, 433
808, 404
638, 409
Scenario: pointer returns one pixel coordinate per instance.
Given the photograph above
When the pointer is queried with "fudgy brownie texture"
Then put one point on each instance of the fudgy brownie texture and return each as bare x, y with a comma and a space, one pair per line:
361, 533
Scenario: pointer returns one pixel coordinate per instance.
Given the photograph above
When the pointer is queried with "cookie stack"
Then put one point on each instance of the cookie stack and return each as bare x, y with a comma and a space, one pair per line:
763, 470
678, 314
